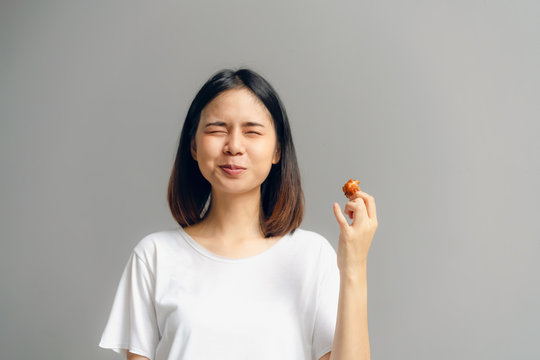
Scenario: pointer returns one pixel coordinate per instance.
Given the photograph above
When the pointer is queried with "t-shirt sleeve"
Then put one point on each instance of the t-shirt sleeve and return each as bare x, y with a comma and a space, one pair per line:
327, 302
132, 323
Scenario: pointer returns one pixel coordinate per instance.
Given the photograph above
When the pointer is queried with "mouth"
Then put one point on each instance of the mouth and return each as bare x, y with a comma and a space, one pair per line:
232, 169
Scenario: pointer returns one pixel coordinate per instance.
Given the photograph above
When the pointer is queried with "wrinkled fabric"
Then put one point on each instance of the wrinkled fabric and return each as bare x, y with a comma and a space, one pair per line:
176, 300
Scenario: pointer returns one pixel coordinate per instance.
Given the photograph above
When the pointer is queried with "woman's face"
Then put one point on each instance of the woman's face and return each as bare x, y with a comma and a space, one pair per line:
235, 144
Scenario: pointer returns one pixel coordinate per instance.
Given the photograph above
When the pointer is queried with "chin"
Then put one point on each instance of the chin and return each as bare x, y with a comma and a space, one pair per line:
237, 190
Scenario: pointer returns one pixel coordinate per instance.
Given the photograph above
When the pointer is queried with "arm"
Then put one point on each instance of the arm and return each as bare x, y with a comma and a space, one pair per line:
351, 338
132, 356
326, 356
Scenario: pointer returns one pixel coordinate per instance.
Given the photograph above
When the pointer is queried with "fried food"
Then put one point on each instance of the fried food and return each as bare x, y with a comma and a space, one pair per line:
351, 187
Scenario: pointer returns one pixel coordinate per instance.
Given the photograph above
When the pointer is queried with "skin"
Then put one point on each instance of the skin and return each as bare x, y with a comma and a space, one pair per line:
232, 229
351, 338
235, 127
132, 356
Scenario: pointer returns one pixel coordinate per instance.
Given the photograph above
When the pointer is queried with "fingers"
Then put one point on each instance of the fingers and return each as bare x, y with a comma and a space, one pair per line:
356, 208
342, 221
370, 204
361, 205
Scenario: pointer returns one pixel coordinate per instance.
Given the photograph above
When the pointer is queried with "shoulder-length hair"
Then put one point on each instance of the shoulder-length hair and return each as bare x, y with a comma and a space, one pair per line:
282, 198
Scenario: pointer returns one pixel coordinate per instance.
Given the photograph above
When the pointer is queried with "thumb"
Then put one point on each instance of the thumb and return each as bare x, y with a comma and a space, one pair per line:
339, 216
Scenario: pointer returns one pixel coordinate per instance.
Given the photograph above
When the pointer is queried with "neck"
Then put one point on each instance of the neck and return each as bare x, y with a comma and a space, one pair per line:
234, 217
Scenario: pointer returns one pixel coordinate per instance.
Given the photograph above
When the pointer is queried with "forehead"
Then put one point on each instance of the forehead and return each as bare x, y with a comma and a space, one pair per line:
236, 105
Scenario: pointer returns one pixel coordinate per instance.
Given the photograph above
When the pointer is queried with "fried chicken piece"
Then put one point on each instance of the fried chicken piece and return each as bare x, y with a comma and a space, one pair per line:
351, 187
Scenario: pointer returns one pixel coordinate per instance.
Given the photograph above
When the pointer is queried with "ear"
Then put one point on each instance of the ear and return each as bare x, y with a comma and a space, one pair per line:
193, 148
277, 154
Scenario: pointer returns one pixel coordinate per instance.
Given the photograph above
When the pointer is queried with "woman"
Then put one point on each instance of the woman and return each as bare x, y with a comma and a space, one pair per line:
238, 279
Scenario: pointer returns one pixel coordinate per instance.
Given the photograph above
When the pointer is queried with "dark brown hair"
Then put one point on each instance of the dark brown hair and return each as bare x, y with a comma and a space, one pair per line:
282, 198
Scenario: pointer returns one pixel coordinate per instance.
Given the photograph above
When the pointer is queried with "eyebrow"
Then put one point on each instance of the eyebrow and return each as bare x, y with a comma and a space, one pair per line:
245, 124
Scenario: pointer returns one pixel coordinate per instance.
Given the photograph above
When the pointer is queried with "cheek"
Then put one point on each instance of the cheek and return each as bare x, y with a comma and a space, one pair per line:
265, 151
208, 147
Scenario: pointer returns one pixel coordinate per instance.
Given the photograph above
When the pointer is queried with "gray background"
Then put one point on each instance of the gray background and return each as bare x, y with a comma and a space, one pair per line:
433, 105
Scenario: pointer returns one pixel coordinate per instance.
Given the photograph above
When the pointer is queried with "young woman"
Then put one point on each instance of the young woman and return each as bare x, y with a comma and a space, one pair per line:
238, 279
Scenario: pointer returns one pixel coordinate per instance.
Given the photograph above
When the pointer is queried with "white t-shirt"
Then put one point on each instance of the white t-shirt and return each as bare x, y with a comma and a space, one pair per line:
177, 300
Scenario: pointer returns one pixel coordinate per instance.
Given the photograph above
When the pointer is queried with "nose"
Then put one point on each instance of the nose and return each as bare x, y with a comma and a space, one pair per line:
233, 144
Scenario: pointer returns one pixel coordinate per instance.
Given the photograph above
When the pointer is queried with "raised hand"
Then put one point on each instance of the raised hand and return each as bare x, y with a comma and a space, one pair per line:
355, 238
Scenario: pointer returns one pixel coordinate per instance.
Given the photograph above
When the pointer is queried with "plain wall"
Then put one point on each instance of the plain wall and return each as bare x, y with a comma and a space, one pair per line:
432, 105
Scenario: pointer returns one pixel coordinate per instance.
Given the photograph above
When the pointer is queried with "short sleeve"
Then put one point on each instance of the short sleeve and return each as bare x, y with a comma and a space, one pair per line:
132, 323
327, 302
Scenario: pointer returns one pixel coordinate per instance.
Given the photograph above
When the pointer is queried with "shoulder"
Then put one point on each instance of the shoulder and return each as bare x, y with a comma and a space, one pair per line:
153, 243
308, 235
313, 239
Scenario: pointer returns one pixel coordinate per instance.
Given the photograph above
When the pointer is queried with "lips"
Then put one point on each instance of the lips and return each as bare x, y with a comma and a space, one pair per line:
232, 169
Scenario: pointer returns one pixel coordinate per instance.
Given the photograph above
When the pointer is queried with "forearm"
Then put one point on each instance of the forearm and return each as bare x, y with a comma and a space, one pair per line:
351, 338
